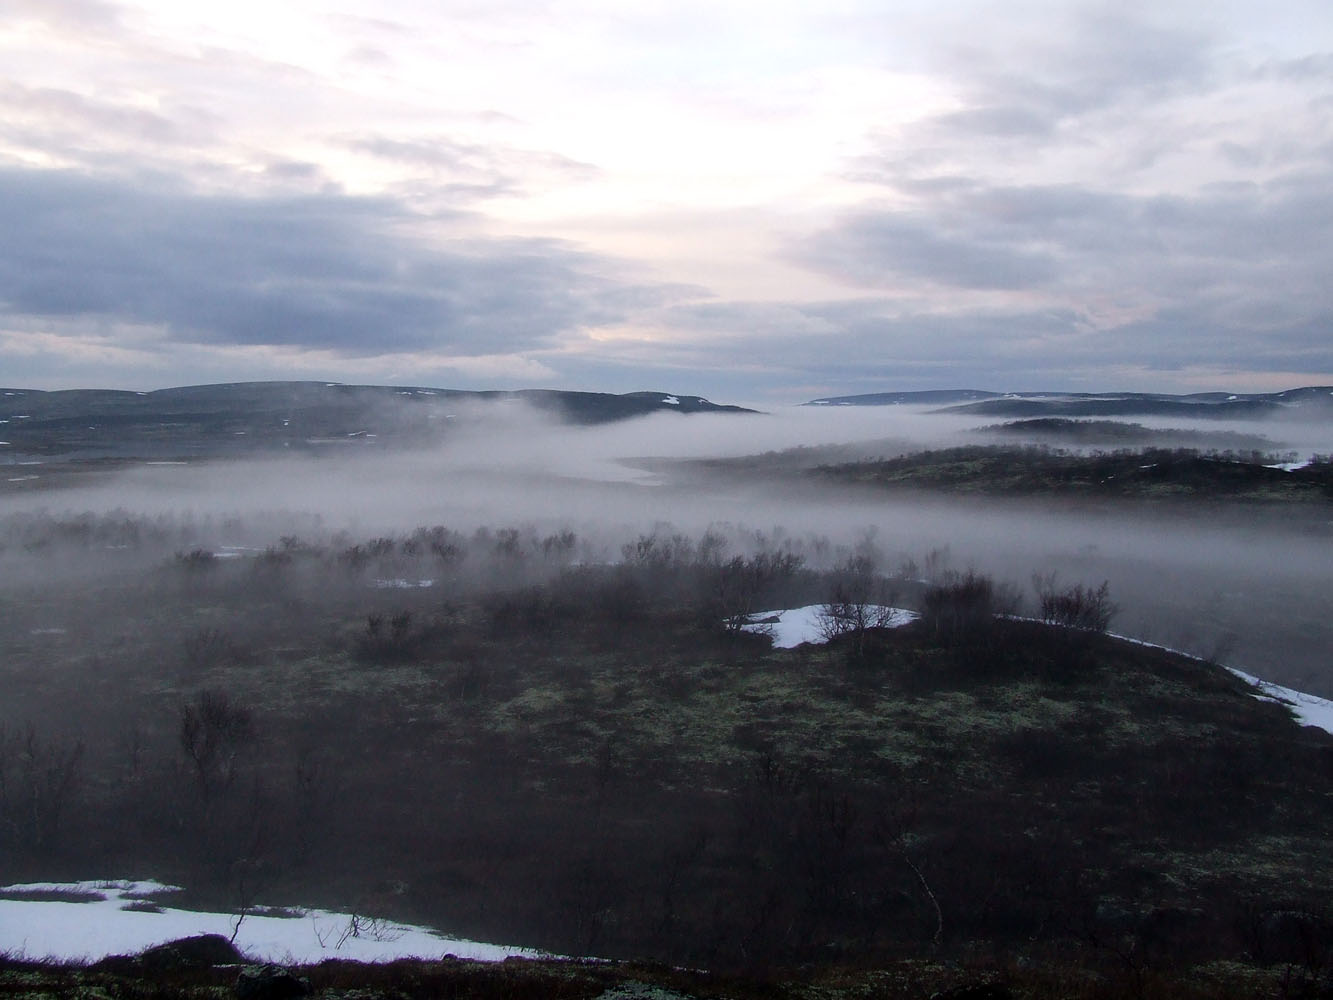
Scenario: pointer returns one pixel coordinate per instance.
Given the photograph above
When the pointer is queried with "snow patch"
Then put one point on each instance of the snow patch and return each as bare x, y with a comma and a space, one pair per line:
792, 626
671, 400
73, 931
1309, 709
234, 551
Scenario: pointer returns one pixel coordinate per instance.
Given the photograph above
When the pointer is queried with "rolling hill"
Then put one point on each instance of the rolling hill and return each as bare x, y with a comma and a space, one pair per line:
1309, 401
243, 417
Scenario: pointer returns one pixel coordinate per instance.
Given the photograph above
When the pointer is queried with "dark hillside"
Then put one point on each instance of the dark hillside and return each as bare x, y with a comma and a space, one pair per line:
1151, 474
587, 759
247, 417
1308, 402
1067, 431
1057, 977
1121, 406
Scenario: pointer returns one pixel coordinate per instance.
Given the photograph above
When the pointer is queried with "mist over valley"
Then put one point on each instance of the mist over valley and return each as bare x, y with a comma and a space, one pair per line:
523, 676
1200, 570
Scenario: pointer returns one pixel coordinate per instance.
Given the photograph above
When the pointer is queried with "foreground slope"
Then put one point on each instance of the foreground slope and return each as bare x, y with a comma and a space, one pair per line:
582, 759
161, 973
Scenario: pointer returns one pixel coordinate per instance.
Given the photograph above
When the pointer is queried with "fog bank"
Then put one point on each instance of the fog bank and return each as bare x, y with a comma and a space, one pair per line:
1250, 588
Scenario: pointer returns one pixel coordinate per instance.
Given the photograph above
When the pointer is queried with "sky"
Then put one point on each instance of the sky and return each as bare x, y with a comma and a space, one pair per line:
757, 202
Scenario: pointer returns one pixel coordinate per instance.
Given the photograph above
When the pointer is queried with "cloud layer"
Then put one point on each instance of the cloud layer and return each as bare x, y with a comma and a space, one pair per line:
743, 201
319, 271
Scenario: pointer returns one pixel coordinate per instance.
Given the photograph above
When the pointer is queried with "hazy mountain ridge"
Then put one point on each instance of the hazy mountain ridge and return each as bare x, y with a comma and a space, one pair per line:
246, 416
1306, 400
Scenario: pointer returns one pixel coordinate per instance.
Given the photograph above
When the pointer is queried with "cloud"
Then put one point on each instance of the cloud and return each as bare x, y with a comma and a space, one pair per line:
89, 17
877, 249
1235, 271
1029, 75
67, 111
872, 344
318, 271
453, 154
1111, 96
473, 168
1026, 196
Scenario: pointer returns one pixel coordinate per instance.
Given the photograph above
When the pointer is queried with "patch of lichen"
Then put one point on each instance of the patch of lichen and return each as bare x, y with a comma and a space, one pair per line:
1070, 976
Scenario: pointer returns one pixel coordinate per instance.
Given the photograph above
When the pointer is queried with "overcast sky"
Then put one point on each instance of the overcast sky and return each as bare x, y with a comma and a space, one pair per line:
757, 201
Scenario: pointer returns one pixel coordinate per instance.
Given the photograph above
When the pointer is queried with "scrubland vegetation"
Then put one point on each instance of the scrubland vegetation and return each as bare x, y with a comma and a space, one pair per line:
1147, 473
565, 728
520, 736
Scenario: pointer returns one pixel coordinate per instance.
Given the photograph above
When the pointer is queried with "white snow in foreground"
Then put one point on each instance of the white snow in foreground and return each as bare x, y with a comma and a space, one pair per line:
93, 930
793, 626
1289, 466
1309, 709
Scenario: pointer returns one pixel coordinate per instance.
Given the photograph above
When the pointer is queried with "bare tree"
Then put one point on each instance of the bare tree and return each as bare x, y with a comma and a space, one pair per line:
1078, 607
960, 606
861, 601
213, 730
37, 784
738, 584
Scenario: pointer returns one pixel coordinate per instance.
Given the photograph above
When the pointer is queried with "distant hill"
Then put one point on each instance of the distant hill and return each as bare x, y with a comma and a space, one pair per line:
243, 417
928, 397
1307, 401
1163, 474
1066, 431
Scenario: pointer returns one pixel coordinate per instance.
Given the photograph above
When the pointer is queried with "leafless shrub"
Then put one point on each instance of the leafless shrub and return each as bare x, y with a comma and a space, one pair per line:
207, 647
196, 560
390, 637
961, 605
738, 585
1078, 607
860, 601
213, 730
37, 782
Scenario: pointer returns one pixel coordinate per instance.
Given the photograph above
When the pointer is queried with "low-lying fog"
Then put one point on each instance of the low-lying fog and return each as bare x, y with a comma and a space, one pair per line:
1250, 588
